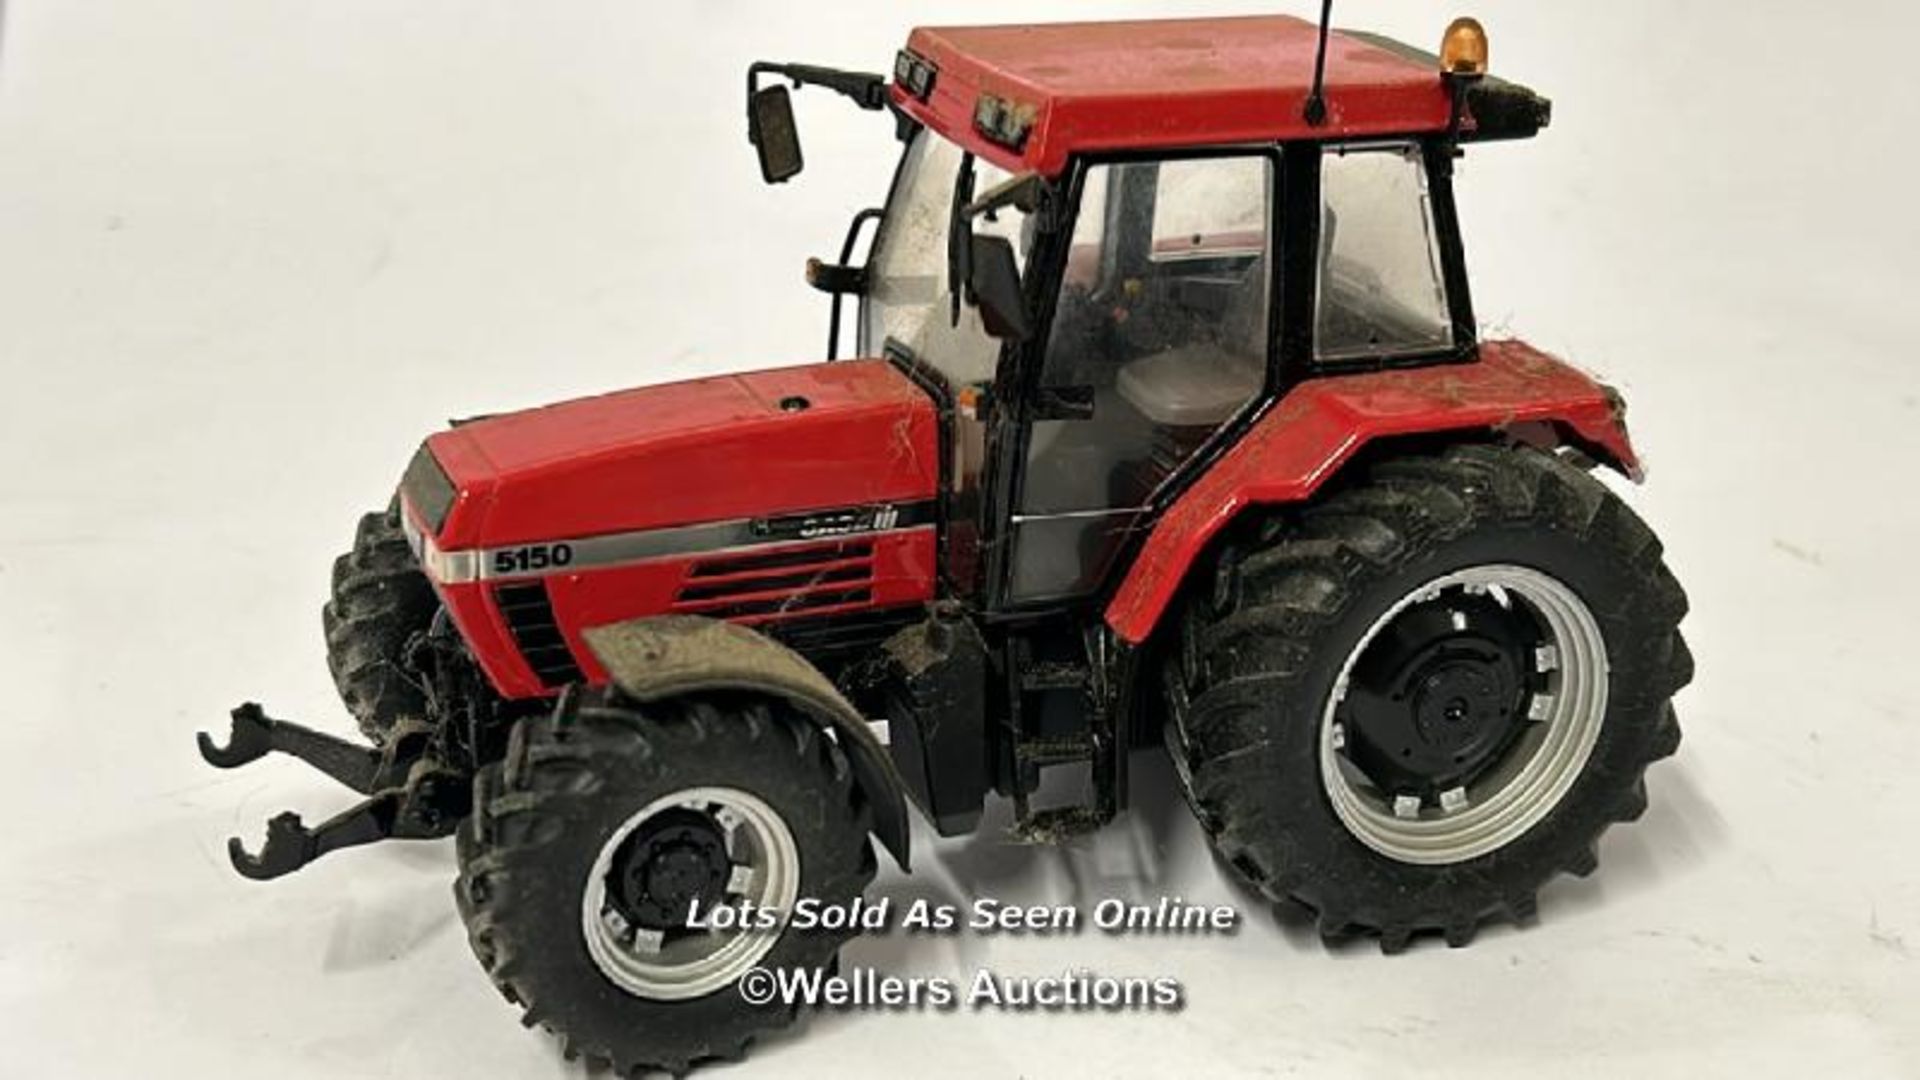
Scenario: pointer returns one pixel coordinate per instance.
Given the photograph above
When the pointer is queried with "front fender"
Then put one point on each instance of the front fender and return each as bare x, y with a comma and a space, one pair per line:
1303, 440
670, 656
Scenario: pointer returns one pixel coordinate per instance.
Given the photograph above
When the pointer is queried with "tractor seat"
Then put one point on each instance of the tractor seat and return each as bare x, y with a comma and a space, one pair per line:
1193, 386
1201, 384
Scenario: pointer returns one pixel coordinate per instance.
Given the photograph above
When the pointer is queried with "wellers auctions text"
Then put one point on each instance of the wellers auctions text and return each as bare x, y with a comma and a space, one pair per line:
1167, 915
1071, 991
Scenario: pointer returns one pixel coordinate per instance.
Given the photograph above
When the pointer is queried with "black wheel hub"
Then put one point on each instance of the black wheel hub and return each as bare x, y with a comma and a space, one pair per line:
673, 859
1440, 693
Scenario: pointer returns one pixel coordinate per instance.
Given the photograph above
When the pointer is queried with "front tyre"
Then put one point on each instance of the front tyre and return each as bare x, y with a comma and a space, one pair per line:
607, 822
379, 601
1416, 701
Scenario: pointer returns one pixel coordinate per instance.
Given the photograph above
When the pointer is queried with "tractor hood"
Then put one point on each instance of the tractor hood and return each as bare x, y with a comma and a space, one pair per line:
851, 436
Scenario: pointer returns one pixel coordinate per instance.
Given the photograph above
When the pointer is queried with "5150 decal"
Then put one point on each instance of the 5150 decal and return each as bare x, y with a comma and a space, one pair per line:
532, 558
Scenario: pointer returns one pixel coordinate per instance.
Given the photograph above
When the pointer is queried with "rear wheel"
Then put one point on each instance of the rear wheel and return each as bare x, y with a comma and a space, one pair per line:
380, 600
1411, 704
604, 824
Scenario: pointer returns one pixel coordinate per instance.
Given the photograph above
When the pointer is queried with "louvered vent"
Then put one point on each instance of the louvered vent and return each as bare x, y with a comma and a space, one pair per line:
529, 616
779, 584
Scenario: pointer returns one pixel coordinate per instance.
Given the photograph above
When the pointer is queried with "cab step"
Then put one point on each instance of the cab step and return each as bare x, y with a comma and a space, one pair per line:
1100, 745
1043, 752
1055, 824
1044, 675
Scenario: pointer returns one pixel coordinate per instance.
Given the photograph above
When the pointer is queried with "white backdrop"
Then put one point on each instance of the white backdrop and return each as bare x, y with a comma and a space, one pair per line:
252, 250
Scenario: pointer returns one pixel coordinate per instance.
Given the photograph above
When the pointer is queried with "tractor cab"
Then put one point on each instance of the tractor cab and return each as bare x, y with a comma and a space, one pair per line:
1108, 247
1109, 252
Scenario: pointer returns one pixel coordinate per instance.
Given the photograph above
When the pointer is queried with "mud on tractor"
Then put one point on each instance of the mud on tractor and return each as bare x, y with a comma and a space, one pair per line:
1170, 426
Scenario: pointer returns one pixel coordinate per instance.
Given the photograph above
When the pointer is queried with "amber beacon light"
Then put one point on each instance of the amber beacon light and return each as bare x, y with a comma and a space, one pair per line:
1463, 51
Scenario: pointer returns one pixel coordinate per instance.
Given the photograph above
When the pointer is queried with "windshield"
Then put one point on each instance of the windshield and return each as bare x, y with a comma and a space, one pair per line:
907, 300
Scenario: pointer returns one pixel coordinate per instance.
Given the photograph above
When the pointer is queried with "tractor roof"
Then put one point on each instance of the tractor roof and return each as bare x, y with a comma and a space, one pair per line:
1164, 83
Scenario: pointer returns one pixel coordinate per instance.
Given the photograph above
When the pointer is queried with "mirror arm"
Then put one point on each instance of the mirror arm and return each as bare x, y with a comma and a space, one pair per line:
867, 90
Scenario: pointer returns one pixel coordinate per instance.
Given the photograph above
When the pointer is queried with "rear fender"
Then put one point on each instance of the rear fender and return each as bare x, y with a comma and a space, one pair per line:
670, 656
1319, 425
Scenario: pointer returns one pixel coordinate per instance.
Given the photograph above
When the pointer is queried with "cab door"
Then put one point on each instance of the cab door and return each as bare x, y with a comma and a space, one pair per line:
1162, 335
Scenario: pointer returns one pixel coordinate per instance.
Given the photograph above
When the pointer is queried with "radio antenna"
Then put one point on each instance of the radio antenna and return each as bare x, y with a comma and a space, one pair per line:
1316, 110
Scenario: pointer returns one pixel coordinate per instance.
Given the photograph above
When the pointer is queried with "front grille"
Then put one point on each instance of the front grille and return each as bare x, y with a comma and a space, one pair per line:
528, 612
779, 584
777, 560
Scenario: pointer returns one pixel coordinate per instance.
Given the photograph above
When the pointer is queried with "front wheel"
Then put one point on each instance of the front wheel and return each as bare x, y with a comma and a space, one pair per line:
380, 600
1414, 702
603, 828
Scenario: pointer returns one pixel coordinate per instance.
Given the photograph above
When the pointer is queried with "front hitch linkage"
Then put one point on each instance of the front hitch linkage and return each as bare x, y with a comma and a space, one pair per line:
409, 794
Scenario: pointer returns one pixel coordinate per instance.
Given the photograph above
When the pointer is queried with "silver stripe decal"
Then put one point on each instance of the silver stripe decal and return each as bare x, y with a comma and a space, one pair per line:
618, 549
640, 546
1075, 515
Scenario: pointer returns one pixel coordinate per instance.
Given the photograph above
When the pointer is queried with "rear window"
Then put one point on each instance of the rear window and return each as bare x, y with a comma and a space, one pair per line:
1381, 291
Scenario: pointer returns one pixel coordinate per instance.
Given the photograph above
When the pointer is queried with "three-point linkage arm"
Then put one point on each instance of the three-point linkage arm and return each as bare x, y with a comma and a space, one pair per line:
409, 794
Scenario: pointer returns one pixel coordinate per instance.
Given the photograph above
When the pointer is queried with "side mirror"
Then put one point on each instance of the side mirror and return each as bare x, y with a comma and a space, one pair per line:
993, 284
773, 133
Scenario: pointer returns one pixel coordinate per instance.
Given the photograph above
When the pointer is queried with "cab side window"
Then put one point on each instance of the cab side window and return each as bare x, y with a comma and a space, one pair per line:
1163, 316
1160, 336
1381, 290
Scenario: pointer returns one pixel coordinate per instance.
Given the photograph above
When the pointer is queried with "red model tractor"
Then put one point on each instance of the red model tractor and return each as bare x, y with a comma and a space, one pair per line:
1171, 426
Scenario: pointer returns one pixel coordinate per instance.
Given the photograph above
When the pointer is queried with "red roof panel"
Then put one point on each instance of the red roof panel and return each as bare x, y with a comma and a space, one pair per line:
1166, 83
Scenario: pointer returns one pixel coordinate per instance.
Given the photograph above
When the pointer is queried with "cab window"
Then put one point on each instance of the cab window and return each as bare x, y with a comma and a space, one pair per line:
1160, 337
908, 302
1381, 292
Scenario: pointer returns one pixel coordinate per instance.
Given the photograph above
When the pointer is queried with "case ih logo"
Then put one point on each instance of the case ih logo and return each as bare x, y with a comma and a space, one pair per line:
833, 523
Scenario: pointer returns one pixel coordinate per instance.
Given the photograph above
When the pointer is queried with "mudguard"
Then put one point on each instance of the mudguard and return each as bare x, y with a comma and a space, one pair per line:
1304, 439
667, 656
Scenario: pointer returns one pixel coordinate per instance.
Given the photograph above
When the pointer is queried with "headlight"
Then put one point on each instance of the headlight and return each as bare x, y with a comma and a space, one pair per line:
426, 486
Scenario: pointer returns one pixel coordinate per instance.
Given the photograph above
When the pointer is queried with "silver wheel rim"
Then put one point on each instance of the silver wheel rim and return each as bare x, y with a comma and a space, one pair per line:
766, 874
1531, 778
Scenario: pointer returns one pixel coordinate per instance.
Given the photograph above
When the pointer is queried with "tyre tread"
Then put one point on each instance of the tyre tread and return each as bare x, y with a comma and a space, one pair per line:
1291, 586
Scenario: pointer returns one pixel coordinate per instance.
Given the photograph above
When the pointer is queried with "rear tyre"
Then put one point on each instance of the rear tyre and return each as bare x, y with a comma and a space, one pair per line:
601, 827
380, 601
1411, 704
